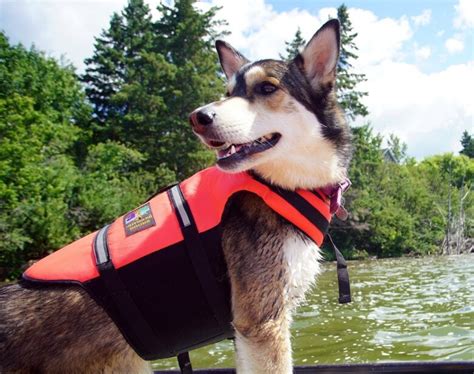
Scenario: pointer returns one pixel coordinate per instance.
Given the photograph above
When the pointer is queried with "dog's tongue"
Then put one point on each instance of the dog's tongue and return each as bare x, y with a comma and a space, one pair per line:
229, 151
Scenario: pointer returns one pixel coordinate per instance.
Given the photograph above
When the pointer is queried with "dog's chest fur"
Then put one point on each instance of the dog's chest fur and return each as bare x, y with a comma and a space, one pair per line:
271, 264
303, 259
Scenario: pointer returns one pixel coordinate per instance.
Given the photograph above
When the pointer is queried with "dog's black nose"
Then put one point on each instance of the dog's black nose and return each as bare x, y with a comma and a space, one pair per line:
201, 119
205, 117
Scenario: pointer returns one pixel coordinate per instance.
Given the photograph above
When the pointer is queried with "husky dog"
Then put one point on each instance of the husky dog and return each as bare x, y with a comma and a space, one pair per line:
280, 120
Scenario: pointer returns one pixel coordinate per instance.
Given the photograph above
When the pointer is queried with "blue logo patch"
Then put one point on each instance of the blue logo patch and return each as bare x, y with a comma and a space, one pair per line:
138, 219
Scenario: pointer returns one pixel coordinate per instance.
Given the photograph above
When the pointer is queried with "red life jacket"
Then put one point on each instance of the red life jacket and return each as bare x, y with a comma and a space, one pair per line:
159, 272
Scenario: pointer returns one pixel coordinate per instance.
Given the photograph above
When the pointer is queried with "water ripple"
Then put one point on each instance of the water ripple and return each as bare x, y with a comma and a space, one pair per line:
402, 309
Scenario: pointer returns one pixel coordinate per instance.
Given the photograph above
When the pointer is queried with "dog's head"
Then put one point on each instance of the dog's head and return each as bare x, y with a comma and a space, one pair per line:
280, 119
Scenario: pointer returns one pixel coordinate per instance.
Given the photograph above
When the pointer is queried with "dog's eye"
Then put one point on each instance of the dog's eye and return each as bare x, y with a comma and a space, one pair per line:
266, 88
227, 94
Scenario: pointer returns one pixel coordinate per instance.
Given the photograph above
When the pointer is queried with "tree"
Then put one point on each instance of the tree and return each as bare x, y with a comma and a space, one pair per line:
293, 47
398, 148
186, 39
111, 183
117, 51
347, 81
467, 142
450, 178
413, 207
146, 77
41, 105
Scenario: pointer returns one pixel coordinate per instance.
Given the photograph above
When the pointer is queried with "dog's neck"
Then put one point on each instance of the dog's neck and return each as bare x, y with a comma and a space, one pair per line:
289, 174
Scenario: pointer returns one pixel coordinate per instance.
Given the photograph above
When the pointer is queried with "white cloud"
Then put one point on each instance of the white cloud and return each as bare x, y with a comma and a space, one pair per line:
423, 19
423, 53
464, 14
60, 27
57, 27
427, 111
454, 45
379, 39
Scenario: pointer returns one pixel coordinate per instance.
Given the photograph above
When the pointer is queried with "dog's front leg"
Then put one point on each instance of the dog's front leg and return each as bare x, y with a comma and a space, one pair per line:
253, 243
261, 316
262, 347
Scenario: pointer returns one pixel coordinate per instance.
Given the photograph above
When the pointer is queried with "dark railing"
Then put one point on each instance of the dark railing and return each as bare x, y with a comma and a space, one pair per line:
460, 367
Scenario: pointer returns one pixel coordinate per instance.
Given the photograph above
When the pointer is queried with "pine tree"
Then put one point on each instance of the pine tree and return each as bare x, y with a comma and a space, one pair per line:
399, 149
293, 47
147, 76
117, 50
349, 97
187, 36
467, 142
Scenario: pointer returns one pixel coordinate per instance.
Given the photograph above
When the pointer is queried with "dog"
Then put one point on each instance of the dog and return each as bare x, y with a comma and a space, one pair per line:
281, 121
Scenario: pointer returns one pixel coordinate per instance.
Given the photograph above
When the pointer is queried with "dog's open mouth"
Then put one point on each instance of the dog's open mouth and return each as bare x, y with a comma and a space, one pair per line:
236, 152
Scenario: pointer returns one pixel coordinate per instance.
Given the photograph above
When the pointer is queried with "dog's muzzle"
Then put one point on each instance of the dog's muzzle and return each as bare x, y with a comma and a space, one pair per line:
200, 120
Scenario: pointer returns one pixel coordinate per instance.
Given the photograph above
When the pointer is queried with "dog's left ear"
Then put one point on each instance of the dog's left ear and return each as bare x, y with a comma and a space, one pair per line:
231, 60
319, 58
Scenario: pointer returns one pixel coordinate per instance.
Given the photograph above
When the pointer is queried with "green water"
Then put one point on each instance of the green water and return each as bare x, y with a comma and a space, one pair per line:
407, 309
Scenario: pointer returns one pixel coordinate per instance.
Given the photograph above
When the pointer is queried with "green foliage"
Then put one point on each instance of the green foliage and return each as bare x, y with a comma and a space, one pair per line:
293, 47
467, 142
112, 183
398, 148
146, 77
41, 104
117, 55
398, 209
347, 81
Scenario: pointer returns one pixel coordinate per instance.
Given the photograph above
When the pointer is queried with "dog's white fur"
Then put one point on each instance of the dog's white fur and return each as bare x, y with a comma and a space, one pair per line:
303, 258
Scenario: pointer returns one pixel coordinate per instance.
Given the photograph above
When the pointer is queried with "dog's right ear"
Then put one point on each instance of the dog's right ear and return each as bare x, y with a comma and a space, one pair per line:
318, 60
231, 60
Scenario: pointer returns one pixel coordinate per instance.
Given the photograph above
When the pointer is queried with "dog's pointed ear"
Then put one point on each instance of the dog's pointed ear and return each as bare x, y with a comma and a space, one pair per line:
319, 58
231, 60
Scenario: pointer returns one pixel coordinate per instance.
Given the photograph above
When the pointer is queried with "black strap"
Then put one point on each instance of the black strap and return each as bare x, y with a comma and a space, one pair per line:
136, 329
304, 207
342, 275
215, 297
185, 363
318, 195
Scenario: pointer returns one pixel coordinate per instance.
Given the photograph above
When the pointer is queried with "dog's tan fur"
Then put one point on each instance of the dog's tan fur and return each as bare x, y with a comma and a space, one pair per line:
60, 330
270, 264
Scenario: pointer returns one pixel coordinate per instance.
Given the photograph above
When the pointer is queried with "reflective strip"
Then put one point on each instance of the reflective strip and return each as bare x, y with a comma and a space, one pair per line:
178, 200
101, 249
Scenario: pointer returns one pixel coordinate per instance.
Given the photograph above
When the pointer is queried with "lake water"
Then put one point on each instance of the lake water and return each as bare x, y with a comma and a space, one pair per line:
405, 309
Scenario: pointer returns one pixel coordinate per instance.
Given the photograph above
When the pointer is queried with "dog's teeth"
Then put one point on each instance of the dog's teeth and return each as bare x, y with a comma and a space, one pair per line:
232, 149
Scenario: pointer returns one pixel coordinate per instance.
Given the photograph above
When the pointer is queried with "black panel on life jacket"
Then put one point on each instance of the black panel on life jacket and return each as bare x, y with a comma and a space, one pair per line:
167, 292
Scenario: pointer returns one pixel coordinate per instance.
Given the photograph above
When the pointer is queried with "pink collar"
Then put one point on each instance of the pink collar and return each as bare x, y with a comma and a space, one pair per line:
334, 193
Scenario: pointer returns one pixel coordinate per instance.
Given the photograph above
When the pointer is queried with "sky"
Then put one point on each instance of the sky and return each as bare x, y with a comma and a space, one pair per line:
418, 56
